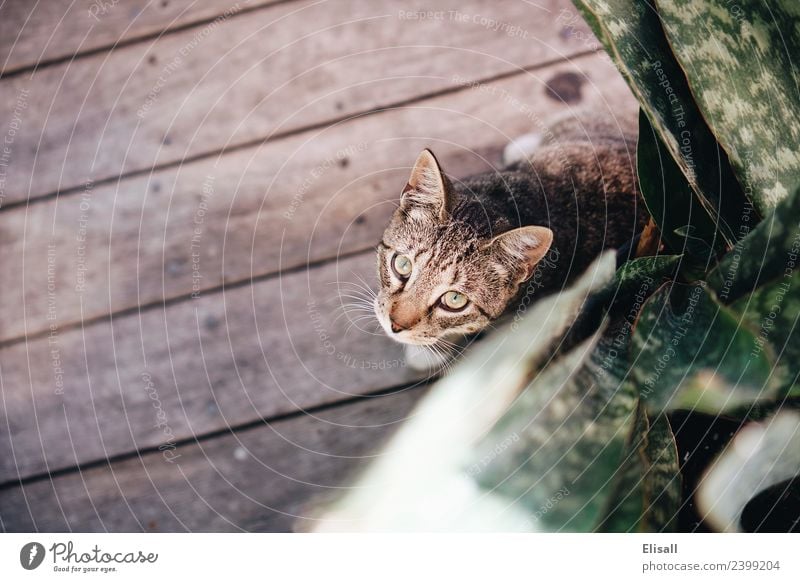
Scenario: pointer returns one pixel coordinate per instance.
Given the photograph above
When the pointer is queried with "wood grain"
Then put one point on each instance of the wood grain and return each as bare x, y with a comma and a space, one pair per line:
264, 479
148, 379
253, 212
242, 80
33, 33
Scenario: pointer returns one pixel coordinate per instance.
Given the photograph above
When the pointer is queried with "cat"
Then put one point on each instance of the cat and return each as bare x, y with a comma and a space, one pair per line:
457, 255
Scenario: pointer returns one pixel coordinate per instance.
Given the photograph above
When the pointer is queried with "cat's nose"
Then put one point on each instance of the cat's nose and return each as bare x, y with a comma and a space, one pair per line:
395, 327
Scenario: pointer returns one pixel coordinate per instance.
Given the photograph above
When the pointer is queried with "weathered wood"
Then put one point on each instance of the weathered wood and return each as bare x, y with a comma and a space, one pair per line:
197, 366
33, 33
303, 198
264, 479
241, 80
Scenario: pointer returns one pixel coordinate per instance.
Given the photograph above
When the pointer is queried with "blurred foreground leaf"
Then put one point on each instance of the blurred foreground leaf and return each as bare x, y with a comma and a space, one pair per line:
760, 456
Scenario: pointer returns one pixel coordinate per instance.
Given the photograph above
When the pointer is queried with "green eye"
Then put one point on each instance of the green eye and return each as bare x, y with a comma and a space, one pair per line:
402, 266
454, 301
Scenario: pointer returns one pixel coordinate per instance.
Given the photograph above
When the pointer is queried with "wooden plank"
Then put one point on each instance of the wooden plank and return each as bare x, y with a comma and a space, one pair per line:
304, 198
42, 32
281, 68
263, 479
197, 366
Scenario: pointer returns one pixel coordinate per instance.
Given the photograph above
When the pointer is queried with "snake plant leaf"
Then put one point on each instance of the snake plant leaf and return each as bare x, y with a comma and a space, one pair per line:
685, 226
760, 456
635, 280
774, 311
691, 352
569, 429
740, 62
631, 32
422, 480
770, 251
648, 495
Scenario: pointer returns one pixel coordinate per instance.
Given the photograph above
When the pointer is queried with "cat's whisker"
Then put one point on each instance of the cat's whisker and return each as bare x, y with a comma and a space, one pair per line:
354, 314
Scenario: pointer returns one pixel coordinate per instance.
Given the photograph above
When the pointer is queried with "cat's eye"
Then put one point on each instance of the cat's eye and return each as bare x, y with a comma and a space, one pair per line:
402, 266
454, 301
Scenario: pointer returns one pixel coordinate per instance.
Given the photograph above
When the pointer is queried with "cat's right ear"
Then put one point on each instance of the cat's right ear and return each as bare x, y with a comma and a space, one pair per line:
427, 188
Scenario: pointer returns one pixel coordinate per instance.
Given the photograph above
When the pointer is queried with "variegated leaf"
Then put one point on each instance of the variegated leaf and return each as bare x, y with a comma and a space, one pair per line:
631, 32
740, 61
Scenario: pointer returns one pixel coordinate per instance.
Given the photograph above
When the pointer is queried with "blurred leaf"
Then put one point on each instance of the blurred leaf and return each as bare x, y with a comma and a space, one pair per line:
768, 252
691, 352
425, 479
631, 33
648, 495
571, 424
761, 455
737, 57
773, 311
684, 225
775, 509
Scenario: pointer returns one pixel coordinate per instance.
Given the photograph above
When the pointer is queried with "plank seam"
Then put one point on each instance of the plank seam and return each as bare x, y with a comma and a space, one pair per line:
124, 43
278, 136
224, 286
235, 429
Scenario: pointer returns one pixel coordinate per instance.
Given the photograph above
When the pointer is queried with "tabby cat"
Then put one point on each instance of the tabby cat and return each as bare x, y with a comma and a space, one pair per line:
459, 254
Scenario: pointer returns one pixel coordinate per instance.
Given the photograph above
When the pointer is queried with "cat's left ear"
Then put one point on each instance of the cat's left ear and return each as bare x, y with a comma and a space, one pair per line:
525, 247
428, 187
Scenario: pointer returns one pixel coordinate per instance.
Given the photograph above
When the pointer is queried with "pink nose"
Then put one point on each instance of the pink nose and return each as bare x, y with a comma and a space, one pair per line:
395, 327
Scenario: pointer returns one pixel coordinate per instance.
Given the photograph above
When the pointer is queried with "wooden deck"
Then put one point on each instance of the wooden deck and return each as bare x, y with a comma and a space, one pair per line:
187, 189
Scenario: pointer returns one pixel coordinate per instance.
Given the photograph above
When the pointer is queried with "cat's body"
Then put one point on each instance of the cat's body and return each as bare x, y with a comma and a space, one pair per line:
493, 237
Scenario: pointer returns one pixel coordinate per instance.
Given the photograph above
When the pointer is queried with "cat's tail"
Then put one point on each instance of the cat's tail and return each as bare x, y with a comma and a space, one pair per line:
584, 126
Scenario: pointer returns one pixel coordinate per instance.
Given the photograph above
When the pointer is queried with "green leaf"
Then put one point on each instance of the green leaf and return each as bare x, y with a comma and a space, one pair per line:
633, 282
631, 32
761, 455
571, 427
738, 59
691, 352
648, 495
768, 252
684, 225
773, 311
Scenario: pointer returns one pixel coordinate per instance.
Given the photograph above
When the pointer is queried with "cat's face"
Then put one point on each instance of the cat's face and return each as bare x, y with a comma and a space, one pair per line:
438, 278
